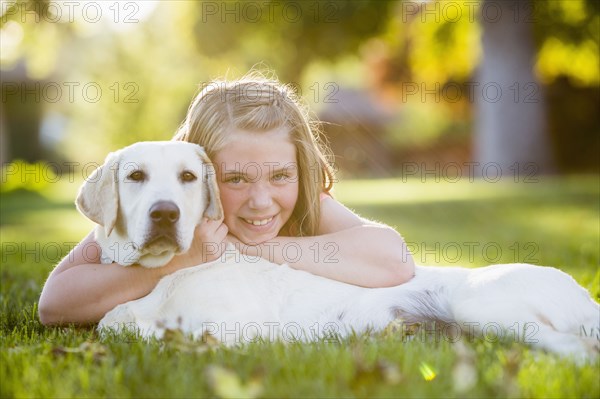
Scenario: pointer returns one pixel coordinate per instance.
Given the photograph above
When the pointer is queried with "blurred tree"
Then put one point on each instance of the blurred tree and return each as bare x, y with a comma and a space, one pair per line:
21, 90
20, 120
445, 53
511, 120
287, 35
106, 77
568, 65
147, 70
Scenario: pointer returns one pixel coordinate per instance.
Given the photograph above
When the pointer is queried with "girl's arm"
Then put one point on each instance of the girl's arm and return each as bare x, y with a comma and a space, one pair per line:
348, 249
80, 290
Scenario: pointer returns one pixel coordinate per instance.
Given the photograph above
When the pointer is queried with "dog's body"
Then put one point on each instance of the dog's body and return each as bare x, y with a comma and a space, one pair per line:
238, 298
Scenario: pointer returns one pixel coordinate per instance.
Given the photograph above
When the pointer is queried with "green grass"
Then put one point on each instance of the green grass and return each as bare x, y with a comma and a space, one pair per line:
554, 222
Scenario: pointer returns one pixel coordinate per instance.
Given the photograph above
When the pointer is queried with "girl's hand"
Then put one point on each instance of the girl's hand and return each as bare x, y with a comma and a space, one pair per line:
208, 244
209, 240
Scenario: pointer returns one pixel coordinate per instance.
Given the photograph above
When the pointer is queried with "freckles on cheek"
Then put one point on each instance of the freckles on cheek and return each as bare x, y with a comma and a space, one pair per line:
228, 201
225, 204
293, 193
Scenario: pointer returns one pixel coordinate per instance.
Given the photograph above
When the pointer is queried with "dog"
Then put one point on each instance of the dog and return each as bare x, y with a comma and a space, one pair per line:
238, 299
137, 198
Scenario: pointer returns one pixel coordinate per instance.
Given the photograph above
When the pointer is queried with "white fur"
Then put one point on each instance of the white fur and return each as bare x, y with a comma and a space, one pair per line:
240, 299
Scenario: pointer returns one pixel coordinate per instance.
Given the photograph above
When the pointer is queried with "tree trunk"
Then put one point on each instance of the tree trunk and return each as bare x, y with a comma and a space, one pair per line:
511, 125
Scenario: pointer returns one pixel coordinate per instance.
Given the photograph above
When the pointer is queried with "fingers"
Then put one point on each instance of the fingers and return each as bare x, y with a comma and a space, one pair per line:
211, 222
212, 230
221, 232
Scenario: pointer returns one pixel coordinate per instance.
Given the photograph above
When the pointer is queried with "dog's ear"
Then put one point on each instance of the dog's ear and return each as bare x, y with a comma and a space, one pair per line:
214, 209
98, 197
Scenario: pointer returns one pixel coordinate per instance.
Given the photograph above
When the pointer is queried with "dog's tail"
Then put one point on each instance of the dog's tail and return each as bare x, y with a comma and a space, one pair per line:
427, 306
426, 298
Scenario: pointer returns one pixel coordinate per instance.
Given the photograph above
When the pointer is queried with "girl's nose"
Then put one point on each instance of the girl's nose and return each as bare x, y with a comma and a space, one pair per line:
260, 197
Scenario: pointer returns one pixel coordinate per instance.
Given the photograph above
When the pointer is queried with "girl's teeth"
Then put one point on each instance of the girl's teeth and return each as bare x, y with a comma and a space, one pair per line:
258, 222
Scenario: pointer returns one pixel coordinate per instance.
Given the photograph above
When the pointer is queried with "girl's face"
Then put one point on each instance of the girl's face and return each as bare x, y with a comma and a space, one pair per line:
257, 175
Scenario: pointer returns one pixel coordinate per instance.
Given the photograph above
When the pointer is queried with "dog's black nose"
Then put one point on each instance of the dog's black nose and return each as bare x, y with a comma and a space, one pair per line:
164, 213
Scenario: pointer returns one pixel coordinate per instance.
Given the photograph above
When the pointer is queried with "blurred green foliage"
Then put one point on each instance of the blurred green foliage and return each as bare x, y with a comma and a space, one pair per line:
21, 175
130, 75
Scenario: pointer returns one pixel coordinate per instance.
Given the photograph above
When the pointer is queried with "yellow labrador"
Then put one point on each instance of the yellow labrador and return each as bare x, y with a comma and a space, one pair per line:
147, 200
241, 299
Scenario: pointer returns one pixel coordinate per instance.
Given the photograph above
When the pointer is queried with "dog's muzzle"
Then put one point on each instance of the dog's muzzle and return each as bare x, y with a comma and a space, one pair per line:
164, 216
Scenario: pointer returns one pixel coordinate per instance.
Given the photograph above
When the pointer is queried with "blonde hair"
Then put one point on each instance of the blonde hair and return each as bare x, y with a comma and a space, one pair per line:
256, 103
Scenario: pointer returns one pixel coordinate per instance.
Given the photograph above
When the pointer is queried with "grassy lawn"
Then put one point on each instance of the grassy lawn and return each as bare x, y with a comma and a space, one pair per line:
551, 222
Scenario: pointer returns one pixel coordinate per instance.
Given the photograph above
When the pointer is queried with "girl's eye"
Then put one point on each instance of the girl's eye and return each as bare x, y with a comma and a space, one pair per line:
188, 177
137, 175
234, 180
280, 177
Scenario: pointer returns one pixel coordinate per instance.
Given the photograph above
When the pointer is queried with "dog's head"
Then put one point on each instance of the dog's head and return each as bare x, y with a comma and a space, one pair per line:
148, 199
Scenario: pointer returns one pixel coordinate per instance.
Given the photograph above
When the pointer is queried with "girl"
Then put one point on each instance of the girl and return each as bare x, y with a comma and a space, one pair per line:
275, 185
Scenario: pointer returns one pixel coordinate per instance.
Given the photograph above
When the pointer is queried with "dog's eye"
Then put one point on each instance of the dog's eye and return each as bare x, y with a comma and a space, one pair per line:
188, 176
137, 175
